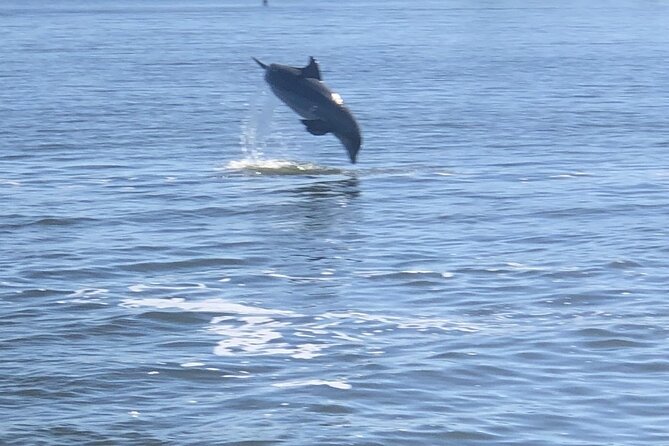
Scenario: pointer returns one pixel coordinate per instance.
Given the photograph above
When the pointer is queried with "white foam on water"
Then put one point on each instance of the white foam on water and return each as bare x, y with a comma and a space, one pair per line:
88, 292
10, 182
523, 267
87, 296
207, 305
141, 287
406, 323
272, 273
240, 376
259, 166
258, 336
391, 273
570, 175
192, 364
246, 330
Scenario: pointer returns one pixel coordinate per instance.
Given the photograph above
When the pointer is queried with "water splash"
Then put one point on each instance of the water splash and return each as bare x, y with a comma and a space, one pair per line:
259, 166
255, 139
256, 128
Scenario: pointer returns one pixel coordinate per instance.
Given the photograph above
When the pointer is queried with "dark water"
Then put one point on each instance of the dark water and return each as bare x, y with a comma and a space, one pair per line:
181, 263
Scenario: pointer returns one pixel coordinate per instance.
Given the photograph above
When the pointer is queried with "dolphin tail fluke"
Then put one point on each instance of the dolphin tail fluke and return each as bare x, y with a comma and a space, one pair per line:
262, 65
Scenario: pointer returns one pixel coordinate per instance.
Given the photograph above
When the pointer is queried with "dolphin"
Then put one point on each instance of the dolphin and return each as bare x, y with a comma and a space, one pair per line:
323, 110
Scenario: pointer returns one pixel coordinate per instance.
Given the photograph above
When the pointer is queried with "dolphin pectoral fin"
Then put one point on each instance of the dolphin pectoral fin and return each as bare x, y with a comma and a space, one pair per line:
311, 70
262, 65
316, 126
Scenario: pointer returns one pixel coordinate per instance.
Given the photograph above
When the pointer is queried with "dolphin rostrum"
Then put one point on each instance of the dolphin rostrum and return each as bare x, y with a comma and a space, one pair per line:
322, 109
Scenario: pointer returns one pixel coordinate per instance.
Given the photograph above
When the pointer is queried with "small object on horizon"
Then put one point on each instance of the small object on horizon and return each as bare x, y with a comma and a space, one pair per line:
265, 2
323, 110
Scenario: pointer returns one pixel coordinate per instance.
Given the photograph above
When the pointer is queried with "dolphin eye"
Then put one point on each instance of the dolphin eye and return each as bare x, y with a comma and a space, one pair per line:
337, 98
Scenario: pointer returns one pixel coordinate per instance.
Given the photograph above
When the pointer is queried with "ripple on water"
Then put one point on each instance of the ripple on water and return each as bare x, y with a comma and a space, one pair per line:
335, 384
194, 263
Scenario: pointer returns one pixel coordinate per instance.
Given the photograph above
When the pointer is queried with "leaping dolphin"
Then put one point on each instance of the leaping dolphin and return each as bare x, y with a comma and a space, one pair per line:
322, 109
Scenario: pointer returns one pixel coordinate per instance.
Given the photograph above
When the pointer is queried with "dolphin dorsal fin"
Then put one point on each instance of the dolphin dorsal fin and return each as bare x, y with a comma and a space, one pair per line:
312, 70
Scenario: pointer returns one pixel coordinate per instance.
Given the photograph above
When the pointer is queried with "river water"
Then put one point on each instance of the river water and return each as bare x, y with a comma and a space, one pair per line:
181, 263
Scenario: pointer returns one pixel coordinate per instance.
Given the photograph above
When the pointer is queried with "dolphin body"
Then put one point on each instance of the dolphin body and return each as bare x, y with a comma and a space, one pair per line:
323, 110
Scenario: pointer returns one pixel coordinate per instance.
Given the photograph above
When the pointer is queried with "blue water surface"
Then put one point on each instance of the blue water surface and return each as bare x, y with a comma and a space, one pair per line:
182, 264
